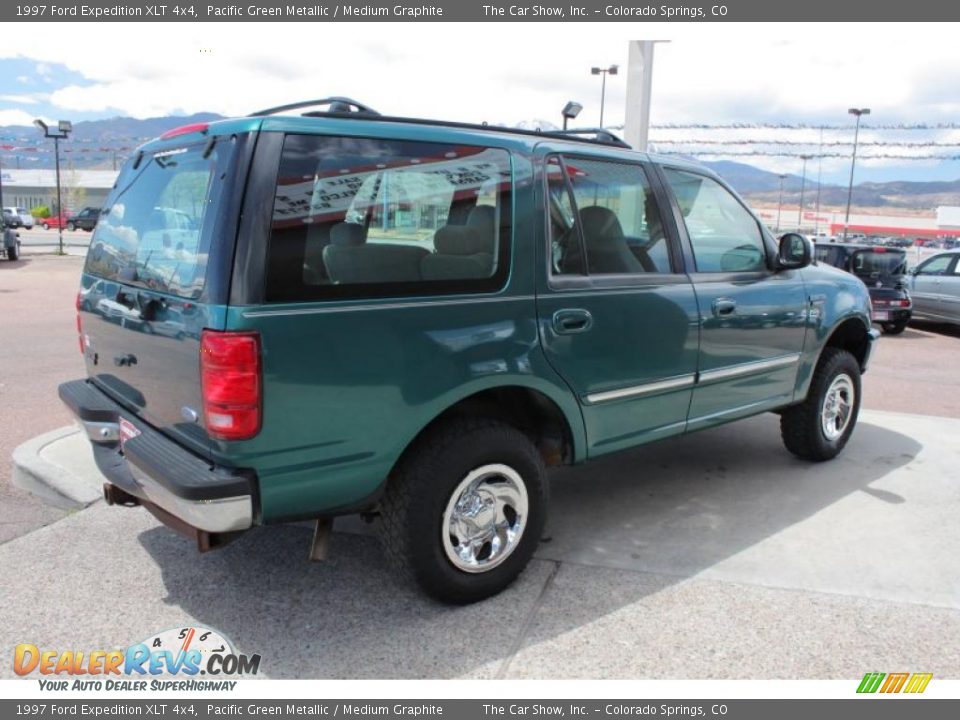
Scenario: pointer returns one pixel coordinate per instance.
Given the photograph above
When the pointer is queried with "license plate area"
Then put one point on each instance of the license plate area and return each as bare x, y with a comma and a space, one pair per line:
881, 315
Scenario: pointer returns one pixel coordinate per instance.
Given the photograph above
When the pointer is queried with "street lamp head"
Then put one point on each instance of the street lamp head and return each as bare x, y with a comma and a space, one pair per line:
40, 124
859, 111
65, 126
613, 69
595, 71
571, 110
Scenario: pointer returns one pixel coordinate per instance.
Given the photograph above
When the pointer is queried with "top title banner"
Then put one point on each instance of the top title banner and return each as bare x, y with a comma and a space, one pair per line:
487, 11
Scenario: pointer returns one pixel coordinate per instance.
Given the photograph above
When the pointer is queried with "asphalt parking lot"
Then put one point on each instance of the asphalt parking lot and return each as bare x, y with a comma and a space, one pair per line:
711, 556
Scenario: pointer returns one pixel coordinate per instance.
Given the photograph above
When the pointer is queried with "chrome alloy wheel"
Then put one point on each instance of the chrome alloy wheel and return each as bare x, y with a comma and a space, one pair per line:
485, 518
837, 407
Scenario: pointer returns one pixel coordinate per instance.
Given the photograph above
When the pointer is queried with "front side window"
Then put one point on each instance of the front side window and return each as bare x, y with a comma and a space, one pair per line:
724, 235
361, 217
607, 212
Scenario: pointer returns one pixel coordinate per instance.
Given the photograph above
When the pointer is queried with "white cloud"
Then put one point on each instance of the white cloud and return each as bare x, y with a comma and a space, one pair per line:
20, 99
500, 72
16, 117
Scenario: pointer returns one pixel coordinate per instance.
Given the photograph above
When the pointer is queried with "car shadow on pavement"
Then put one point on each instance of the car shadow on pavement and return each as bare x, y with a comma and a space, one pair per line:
13, 264
934, 327
661, 514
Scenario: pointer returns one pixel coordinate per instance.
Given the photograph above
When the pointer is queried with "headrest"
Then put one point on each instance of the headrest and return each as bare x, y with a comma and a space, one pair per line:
483, 218
600, 222
461, 240
347, 234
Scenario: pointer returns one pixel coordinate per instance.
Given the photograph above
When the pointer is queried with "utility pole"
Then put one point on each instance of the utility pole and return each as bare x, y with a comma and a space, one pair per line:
859, 112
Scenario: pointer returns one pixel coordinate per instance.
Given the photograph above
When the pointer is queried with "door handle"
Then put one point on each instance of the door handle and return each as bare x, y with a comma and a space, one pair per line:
724, 306
573, 320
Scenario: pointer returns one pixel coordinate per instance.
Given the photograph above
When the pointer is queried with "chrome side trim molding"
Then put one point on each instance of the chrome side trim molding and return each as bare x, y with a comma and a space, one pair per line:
386, 306
749, 368
674, 383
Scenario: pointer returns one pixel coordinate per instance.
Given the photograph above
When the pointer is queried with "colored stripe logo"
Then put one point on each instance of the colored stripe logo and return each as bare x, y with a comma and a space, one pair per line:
894, 682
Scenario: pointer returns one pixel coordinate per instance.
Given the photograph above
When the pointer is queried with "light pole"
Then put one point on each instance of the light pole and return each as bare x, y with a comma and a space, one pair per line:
780, 201
63, 129
570, 111
803, 185
816, 221
612, 70
859, 112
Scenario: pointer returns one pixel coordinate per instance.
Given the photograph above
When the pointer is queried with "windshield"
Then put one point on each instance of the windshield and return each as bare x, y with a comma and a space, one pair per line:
149, 232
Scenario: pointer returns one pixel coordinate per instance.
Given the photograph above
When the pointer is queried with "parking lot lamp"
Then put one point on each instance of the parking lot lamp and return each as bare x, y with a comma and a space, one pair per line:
780, 201
803, 186
612, 70
63, 129
858, 112
570, 111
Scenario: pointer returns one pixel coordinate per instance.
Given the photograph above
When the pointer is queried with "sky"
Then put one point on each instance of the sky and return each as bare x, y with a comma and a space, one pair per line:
509, 73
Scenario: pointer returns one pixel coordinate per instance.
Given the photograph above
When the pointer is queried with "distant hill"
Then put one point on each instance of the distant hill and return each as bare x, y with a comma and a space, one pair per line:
98, 144
763, 186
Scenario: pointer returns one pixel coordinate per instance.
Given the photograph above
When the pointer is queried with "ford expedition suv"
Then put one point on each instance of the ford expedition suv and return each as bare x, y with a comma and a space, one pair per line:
307, 313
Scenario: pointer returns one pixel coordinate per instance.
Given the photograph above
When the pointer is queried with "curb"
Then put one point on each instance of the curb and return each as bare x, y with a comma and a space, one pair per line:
48, 481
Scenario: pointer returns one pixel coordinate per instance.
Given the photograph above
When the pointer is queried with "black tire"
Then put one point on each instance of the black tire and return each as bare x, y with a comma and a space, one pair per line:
423, 485
45, 226
894, 328
13, 252
71, 227
800, 425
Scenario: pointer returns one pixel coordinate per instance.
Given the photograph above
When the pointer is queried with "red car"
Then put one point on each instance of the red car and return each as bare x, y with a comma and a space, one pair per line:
55, 221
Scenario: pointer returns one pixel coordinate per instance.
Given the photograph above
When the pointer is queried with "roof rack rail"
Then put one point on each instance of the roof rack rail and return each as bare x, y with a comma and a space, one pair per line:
596, 134
336, 105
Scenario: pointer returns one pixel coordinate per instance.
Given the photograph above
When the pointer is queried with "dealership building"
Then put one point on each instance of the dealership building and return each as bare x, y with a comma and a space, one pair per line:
78, 188
945, 222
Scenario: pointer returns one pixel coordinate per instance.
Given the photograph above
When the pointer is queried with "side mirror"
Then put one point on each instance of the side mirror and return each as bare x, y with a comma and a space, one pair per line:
915, 270
795, 252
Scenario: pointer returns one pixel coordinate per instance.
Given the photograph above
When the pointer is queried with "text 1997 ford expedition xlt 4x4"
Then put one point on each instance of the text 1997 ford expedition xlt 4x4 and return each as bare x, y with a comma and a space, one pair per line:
303, 314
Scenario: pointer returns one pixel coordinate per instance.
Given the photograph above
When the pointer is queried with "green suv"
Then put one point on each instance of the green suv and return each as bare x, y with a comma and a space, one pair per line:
315, 312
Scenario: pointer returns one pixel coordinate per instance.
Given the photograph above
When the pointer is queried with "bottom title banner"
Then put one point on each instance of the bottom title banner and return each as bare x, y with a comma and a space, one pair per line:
875, 709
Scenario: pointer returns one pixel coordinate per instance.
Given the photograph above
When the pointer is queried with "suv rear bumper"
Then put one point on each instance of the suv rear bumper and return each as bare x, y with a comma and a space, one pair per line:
160, 473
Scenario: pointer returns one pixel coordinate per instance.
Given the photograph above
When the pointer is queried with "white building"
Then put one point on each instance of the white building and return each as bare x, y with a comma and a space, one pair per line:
30, 188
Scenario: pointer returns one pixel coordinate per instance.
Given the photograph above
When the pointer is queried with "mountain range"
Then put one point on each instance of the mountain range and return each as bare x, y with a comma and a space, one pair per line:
99, 144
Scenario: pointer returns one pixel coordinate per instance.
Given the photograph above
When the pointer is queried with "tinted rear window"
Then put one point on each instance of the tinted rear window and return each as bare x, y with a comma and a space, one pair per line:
150, 232
364, 217
883, 263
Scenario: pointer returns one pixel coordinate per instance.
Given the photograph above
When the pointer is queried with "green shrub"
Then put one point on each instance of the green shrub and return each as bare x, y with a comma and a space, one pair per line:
40, 211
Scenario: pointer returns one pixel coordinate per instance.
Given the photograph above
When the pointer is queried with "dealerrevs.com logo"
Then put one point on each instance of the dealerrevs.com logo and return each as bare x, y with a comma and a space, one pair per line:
887, 683
189, 658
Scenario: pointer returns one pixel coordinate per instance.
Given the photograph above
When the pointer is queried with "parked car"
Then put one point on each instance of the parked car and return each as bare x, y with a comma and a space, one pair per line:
412, 319
11, 219
55, 221
883, 271
26, 219
86, 219
935, 286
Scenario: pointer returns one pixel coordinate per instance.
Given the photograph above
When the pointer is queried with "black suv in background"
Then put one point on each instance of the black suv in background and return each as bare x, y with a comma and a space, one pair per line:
86, 219
882, 270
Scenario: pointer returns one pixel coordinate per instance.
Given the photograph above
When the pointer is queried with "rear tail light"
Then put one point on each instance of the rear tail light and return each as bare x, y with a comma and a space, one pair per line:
79, 325
230, 379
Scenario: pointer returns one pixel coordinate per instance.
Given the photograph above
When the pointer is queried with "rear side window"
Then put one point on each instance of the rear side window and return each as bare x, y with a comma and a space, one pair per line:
150, 232
607, 211
361, 217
